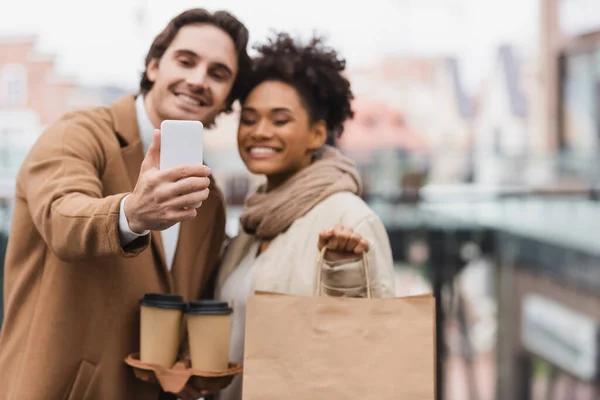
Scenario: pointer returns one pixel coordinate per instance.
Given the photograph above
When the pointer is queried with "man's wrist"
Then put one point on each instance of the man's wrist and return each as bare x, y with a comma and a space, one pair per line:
126, 233
132, 224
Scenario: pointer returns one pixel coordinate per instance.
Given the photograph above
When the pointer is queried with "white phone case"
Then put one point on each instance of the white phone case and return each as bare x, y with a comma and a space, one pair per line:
181, 143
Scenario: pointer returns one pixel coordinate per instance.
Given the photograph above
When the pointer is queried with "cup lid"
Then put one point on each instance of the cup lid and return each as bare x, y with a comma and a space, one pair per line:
159, 300
209, 307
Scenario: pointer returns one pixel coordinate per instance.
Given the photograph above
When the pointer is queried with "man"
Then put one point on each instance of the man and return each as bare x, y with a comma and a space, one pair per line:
80, 254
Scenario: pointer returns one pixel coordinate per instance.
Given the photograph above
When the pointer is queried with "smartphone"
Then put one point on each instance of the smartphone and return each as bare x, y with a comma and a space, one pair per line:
181, 143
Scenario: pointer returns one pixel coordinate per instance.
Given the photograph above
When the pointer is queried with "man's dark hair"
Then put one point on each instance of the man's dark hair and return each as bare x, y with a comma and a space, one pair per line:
220, 19
315, 71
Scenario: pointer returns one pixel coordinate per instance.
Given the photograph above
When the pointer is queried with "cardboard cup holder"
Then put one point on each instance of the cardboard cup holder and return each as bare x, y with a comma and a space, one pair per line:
174, 379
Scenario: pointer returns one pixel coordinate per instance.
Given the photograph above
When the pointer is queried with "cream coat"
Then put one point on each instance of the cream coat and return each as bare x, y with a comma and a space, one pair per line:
289, 265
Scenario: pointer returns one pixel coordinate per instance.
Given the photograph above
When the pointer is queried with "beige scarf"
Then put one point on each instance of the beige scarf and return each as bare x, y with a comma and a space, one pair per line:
270, 213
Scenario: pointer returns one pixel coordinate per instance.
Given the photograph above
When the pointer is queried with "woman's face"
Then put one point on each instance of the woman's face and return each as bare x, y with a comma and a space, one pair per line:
276, 137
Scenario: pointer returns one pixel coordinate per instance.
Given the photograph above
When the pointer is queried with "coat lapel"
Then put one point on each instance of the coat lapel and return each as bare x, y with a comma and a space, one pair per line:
132, 151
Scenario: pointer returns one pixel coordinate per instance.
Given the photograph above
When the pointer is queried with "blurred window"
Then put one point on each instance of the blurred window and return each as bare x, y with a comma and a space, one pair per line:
13, 85
580, 103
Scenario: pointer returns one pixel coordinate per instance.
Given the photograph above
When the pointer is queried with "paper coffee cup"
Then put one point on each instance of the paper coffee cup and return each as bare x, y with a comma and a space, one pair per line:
209, 330
160, 328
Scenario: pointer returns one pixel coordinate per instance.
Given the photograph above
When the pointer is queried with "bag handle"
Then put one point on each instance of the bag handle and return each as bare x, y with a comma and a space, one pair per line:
321, 261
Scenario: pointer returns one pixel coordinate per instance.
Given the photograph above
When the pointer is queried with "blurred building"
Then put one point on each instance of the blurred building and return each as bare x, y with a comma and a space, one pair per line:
377, 125
508, 142
550, 300
86, 96
33, 95
429, 94
386, 149
571, 62
412, 124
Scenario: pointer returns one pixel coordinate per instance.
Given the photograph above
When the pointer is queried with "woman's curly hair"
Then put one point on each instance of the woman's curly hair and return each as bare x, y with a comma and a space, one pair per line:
314, 70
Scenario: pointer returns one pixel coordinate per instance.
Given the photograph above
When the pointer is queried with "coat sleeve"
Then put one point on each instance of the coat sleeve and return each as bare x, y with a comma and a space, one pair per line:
61, 182
348, 279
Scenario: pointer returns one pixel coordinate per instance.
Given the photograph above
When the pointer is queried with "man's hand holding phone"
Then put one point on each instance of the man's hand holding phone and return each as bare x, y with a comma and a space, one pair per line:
162, 198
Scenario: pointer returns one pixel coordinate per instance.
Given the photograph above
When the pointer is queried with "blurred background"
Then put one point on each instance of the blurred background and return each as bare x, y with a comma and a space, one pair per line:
477, 133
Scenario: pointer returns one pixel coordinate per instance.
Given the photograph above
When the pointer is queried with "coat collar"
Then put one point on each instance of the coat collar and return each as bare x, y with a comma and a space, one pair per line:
127, 129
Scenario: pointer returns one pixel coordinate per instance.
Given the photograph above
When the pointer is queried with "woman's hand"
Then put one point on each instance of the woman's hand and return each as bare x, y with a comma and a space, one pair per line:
342, 243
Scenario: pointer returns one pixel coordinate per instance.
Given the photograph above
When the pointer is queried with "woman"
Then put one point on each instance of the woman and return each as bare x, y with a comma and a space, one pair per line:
298, 100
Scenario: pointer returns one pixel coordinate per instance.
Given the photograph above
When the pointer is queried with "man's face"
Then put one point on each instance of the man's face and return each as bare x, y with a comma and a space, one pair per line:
194, 77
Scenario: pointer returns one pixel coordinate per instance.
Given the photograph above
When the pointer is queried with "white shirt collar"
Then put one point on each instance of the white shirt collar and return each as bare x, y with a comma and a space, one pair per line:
144, 124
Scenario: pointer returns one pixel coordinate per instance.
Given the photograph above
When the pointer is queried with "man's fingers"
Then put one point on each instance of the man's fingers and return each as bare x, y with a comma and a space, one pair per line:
186, 171
188, 185
168, 192
181, 215
189, 200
